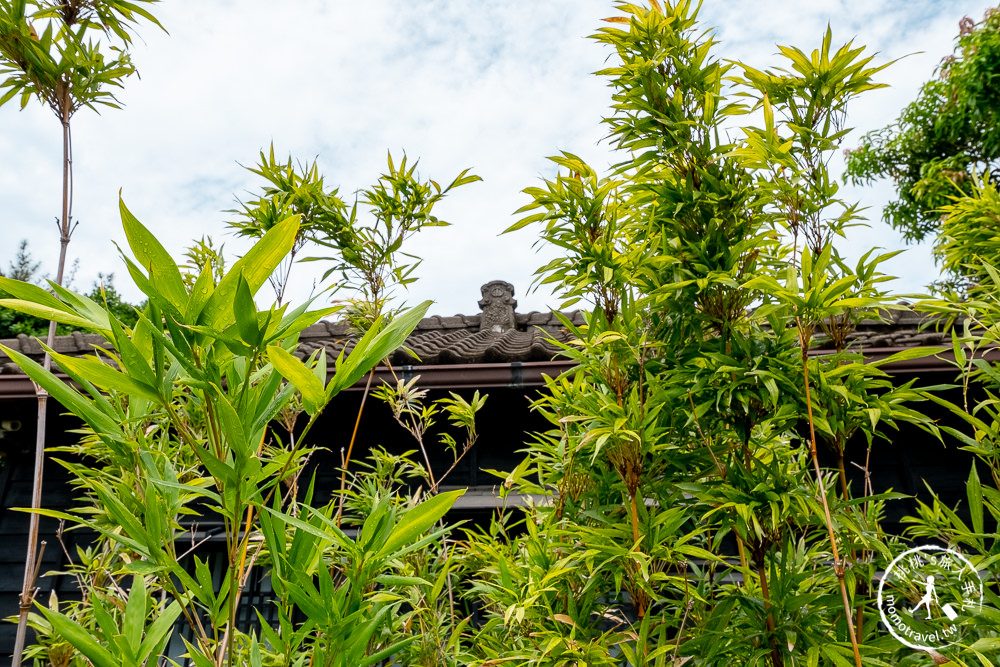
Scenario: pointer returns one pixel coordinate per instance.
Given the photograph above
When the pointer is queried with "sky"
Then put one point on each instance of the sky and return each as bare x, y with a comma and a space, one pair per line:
495, 87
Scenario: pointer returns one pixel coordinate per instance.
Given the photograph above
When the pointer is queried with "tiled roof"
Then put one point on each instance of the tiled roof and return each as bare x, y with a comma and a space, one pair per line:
505, 337
456, 340
898, 328
436, 340
523, 337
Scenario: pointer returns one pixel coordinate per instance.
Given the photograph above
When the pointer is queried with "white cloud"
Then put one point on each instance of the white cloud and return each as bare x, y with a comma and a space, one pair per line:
495, 86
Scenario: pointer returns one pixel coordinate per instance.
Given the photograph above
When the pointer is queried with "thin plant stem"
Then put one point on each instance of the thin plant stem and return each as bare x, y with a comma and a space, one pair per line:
765, 593
838, 565
350, 446
416, 432
32, 559
684, 618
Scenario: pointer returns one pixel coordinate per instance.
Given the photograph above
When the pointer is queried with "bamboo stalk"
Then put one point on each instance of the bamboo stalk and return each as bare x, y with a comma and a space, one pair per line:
838, 565
31, 561
765, 593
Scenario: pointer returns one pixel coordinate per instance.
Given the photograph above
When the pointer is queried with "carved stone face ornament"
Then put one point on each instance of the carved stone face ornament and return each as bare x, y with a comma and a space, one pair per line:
498, 306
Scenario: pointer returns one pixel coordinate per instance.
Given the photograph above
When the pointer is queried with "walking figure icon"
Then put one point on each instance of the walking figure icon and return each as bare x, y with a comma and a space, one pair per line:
930, 595
949, 588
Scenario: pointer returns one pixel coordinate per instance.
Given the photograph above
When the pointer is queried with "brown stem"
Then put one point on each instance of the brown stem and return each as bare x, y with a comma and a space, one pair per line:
744, 564
640, 605
838, 565
687, 609
465, 450
350, 446
30, 562
635, 519
776, 659
842, 475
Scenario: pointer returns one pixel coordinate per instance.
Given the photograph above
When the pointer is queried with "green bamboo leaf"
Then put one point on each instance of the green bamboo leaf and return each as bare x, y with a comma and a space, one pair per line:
190, 488
149, 288
418, 520
104, 376
974, 491
158, 633
305, 380
220, 469
255, 267
228, 337
333, 534
232, 426
255, 658
400, 580
388, 651
84, 306
132, 360
986, 644
28, 292
274, 405
129, 522
373, 348
912, 353
297, 320
68, 397
200, 292
49, 313
134, 619
246, 313
143, 567
80, 638
152, 256
182, 356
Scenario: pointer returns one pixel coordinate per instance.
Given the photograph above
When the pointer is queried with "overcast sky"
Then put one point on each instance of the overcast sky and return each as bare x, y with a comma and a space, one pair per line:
494, 86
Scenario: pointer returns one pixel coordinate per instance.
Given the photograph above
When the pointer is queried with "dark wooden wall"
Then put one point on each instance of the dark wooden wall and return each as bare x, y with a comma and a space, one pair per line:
903, 464
503, 424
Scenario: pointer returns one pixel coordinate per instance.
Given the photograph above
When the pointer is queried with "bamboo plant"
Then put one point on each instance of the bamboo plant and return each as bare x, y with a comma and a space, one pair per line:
68, 56
179, 410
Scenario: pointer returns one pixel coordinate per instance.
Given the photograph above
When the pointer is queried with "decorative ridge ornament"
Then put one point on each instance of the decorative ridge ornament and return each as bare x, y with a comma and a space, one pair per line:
498, 304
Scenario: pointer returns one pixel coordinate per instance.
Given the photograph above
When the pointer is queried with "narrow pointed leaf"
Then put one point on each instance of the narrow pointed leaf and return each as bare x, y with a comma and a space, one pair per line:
68, 397
293, 370
246, 313
80, 638
49, 313
28, 292
372, 349
105, 377
134, 619
417, 520
255, 267
152, 256
159, 632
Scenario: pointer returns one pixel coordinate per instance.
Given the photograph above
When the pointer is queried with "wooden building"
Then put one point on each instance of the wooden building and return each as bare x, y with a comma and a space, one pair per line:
499, 352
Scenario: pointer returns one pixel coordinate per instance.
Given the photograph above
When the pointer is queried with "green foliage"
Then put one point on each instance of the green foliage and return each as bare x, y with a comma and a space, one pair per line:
410, 411
968, 241
944, 138
289, 190
369, 257
676, 512
178, 416
62, 65
977, 431
691, 522
23, 268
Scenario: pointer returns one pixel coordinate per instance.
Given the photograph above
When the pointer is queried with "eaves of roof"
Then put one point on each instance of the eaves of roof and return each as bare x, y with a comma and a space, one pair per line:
452, 353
